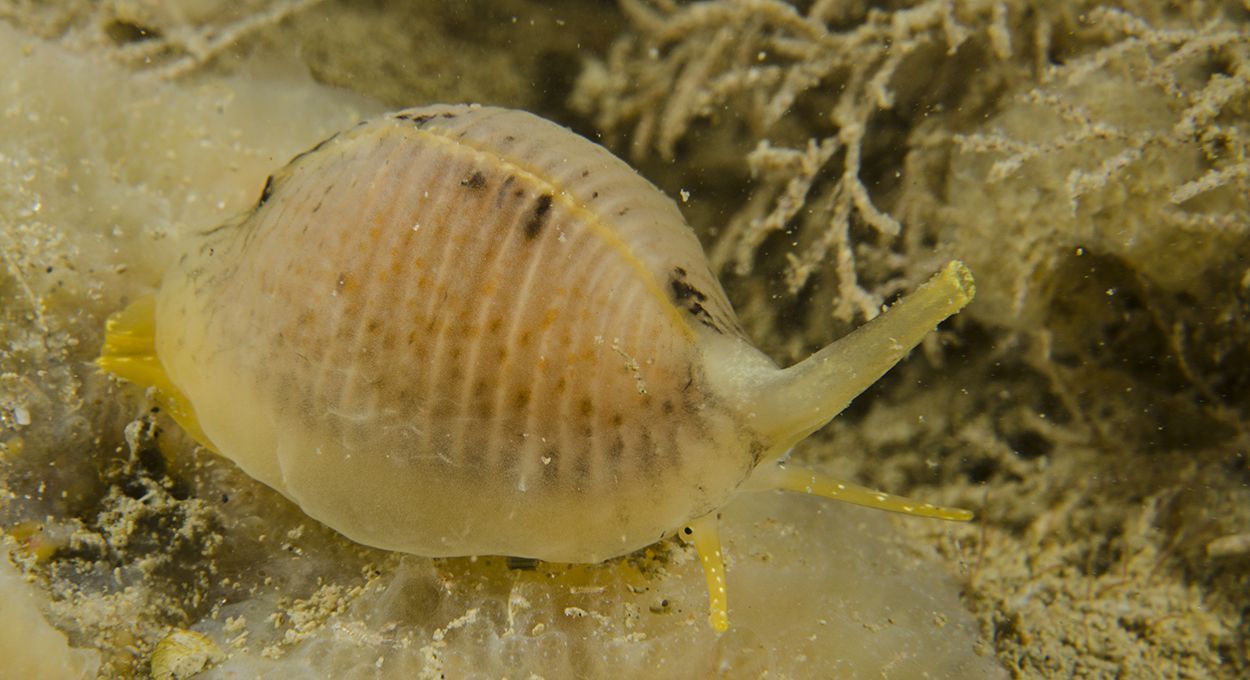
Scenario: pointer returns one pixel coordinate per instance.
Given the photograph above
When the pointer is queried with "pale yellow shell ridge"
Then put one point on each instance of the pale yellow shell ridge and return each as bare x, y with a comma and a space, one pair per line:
460, 330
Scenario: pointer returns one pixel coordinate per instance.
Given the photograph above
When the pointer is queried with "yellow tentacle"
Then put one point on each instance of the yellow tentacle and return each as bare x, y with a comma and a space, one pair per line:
801, 480
705, 535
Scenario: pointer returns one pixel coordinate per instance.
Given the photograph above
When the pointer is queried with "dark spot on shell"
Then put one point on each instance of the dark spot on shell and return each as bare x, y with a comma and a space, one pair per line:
538, 217
317, 147
522, 398
757, 452
647, 454
475, 181
581, 469
418, 120
266, 192
690, 298
682, 291
503, 190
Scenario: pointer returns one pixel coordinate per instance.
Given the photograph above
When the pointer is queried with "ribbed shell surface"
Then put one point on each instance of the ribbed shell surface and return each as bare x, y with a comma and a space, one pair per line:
462, 330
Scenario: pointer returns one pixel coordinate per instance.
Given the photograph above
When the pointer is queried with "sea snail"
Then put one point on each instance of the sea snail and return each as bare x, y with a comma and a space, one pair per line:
464, 330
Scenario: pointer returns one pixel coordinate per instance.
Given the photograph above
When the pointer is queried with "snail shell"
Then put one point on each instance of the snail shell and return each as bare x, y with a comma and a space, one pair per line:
457, 331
